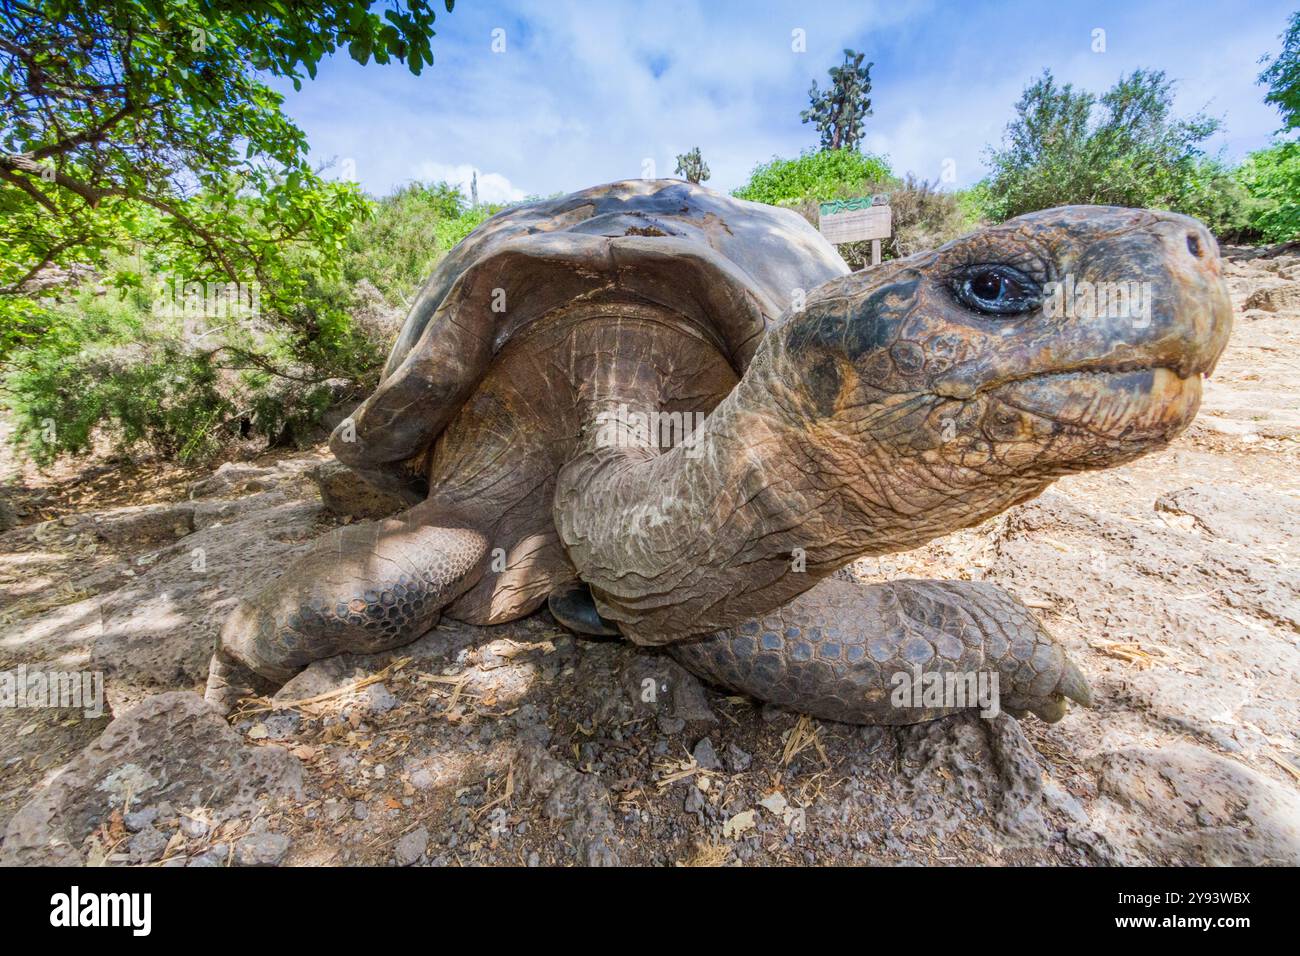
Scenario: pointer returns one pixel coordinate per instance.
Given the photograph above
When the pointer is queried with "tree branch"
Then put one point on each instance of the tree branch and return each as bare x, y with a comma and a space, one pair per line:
94, 195
30, 189
50, 255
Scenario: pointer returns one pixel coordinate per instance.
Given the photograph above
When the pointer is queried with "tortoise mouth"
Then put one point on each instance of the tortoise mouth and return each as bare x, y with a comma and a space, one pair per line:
1130, 402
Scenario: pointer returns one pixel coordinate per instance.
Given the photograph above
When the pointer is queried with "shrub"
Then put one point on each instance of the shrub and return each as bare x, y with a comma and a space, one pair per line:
975, 204
924, 217
813, 176
100, 362
98, 368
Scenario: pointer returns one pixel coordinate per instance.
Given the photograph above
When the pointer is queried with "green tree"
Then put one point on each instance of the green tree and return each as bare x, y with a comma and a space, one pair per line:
1271, 177
839, 110
1124, 148
139, 139
119, 115
1282, 75
692, 167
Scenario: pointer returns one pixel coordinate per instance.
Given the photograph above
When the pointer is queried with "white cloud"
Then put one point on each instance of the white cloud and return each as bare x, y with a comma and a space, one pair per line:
492, 187
587, 91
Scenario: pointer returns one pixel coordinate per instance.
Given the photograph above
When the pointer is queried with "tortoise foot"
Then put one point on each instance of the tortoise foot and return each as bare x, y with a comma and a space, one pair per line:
896, 653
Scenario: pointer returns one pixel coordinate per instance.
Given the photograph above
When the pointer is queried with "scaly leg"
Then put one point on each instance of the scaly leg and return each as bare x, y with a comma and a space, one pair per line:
364, 588
878, 654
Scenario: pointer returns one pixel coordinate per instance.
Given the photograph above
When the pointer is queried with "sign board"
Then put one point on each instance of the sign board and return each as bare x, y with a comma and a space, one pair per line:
856, 220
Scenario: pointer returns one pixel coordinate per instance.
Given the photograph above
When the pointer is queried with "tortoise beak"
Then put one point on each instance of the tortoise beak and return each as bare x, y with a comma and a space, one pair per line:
1199, 310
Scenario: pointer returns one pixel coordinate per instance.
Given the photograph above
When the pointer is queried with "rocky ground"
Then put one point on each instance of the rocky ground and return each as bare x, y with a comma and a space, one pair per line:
1172, 582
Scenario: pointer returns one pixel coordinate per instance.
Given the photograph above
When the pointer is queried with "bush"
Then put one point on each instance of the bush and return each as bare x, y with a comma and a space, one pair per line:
407, 233
110, 366
816, 176
1271, 179
100, 369
1212, 193
924, 217
105, 363
976, 205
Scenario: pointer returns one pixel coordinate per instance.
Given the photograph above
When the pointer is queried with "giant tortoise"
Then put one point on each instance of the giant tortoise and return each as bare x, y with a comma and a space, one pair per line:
815, 415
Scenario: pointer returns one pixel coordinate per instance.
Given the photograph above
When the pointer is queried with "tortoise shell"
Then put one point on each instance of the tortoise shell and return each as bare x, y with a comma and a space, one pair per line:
484, 391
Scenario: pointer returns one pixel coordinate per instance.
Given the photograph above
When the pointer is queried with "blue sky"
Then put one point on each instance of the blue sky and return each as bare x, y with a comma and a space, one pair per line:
587, 92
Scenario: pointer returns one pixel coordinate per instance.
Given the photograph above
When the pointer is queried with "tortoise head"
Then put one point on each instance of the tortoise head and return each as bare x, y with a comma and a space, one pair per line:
1063, 340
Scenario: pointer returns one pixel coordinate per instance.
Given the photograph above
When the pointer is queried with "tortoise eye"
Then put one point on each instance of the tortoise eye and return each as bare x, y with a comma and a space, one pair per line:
997, 290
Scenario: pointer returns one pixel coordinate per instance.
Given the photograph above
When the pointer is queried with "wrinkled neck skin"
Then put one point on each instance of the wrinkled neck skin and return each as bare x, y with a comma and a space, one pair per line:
769, 498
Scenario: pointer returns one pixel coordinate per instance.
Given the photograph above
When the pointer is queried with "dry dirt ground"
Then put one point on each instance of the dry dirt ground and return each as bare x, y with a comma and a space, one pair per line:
1172, 582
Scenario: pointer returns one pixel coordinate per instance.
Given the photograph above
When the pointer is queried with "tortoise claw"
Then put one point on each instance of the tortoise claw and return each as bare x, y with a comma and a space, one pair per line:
1074, 685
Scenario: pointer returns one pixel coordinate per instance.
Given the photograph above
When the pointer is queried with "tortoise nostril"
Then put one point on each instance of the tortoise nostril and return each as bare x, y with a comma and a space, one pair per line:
1194, 244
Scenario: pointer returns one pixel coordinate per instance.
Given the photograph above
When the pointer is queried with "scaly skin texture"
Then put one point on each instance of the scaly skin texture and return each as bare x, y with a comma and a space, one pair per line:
363, 588
841, 650
844, 415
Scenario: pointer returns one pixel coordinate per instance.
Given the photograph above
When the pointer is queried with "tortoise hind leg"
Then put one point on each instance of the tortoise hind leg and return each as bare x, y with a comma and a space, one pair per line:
895, 653
363, 588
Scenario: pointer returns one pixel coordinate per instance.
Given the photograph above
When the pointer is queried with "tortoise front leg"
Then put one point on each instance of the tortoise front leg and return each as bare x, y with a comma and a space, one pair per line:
879, 654
363, 588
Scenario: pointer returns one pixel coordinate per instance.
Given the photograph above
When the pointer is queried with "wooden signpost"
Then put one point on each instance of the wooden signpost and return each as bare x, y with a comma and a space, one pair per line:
855, 220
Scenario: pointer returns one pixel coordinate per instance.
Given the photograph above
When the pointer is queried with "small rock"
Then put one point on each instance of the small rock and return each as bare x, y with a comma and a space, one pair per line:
345, 492
706, 756
217, 855
379, 699
738, 759
411, 847
694, 800
671, 725
262, 849
194, 829
147, 846
282, 725
137, 820
1276, 298
360, 810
